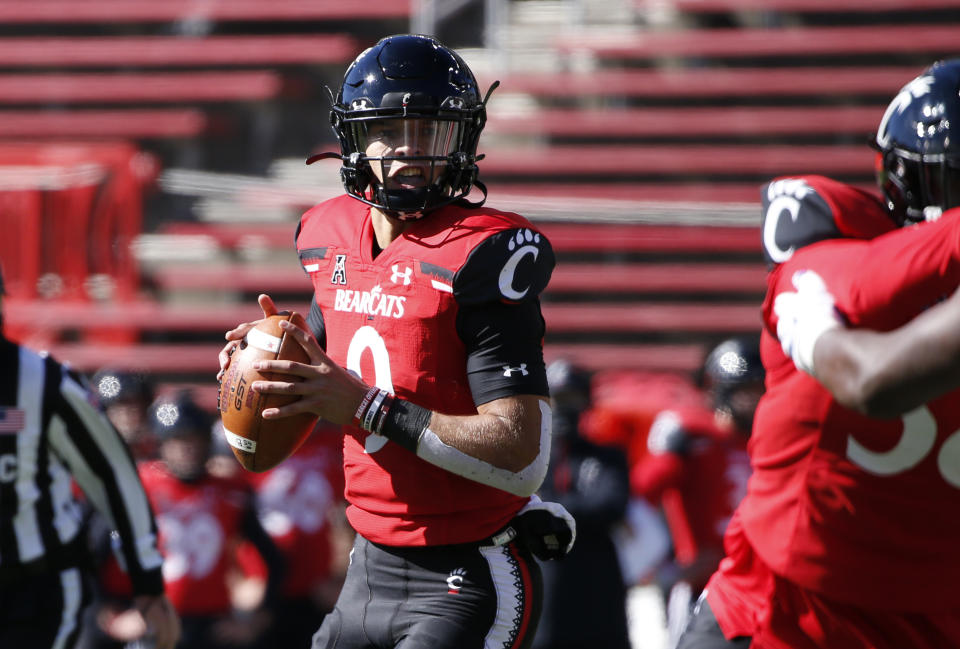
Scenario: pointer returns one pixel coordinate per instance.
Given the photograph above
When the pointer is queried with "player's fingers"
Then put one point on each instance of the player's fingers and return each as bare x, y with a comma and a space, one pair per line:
224, 356
306, 340
267, 305
286, 367
298, 407
278, 387
238, 332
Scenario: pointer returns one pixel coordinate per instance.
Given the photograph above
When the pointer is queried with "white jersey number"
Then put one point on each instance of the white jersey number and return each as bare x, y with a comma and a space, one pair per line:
192, 545
917, 442
368, 338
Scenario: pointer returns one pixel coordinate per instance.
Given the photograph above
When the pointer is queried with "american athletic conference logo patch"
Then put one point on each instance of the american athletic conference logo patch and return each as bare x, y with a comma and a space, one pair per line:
339, 270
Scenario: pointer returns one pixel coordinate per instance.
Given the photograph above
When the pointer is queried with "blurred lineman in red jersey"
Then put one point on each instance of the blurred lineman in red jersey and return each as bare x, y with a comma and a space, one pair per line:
847, 536
202, 519
697, 469
300, 505
426, 346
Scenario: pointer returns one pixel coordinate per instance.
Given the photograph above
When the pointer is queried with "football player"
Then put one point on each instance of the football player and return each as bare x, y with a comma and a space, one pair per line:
592, 482
847, 535
202, 518
696, 470
426, 344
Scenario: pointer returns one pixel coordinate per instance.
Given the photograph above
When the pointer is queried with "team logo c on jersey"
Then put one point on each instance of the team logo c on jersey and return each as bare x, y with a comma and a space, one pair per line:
784, 196
455, 581
523, 244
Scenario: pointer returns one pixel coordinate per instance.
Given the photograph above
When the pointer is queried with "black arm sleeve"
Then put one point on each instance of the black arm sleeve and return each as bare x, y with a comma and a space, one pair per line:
499, 320
504, 349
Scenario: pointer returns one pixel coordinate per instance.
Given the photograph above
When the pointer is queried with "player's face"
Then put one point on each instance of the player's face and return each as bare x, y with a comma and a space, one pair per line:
186, 455
743, 403
403, 141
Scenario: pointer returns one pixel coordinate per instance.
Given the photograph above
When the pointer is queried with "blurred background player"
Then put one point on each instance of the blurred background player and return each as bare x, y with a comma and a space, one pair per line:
584, 595
847, 535
697, 470
300, 505
126, 396
202, 519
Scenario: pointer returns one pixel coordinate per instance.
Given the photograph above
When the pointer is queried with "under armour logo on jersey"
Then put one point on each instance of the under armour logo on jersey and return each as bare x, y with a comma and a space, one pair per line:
455, 581
400, 277
508, 371
340, 270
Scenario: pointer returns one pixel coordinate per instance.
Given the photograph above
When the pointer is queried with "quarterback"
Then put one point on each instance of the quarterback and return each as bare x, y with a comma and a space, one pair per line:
426, 345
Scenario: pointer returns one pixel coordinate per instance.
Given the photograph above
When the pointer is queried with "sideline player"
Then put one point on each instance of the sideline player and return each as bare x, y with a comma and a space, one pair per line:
697, 470
426, 343
592, 482
847, 536
202, 520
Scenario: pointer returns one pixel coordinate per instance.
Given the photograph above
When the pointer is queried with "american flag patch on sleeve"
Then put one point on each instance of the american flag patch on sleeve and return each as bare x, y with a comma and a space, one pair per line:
11, 420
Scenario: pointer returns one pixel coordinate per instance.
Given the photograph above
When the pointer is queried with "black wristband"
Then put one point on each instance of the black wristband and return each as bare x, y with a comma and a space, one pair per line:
404, 423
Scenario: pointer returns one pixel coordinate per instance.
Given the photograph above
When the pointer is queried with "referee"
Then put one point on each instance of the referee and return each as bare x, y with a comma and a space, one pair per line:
52, 438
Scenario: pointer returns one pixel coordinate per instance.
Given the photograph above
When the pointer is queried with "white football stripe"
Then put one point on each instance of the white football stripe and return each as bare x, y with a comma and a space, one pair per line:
263, 340
311, 268
440, 286
241, 443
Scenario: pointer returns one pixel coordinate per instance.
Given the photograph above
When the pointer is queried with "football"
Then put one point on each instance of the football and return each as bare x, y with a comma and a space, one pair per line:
260, 444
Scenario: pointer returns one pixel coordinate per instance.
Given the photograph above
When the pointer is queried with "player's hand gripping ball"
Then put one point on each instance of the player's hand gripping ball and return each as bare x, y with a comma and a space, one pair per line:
261, 444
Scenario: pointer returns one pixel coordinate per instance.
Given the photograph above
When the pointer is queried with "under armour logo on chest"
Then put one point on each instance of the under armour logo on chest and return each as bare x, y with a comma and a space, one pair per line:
398, 277
508, 371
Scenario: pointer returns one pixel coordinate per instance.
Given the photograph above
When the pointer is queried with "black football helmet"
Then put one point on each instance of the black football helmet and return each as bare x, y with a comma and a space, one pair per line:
570, 390
120, 386
732, 375
418, 95
178, 416
918, 168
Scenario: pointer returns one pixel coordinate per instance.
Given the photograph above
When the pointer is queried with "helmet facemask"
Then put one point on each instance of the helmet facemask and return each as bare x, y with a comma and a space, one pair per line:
919, 187
409, 164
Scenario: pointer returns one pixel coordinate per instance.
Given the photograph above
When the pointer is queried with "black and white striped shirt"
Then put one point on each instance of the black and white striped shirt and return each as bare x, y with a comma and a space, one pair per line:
50, 435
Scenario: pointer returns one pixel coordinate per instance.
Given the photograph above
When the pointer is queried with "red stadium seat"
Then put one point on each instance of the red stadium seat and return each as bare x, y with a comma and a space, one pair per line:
124, 11
727, 121
934, 40
139, 87
742, 82
171, 51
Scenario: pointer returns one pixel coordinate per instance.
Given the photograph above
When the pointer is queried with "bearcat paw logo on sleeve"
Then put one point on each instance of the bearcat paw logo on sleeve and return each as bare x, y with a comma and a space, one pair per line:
524, 243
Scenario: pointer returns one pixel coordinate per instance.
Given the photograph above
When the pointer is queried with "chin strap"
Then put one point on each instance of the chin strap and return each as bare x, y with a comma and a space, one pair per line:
483, 188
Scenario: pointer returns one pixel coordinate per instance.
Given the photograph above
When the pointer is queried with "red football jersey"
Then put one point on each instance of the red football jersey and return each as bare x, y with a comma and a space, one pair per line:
864, 511
294, 502
199, 525
393, 320
697, 473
